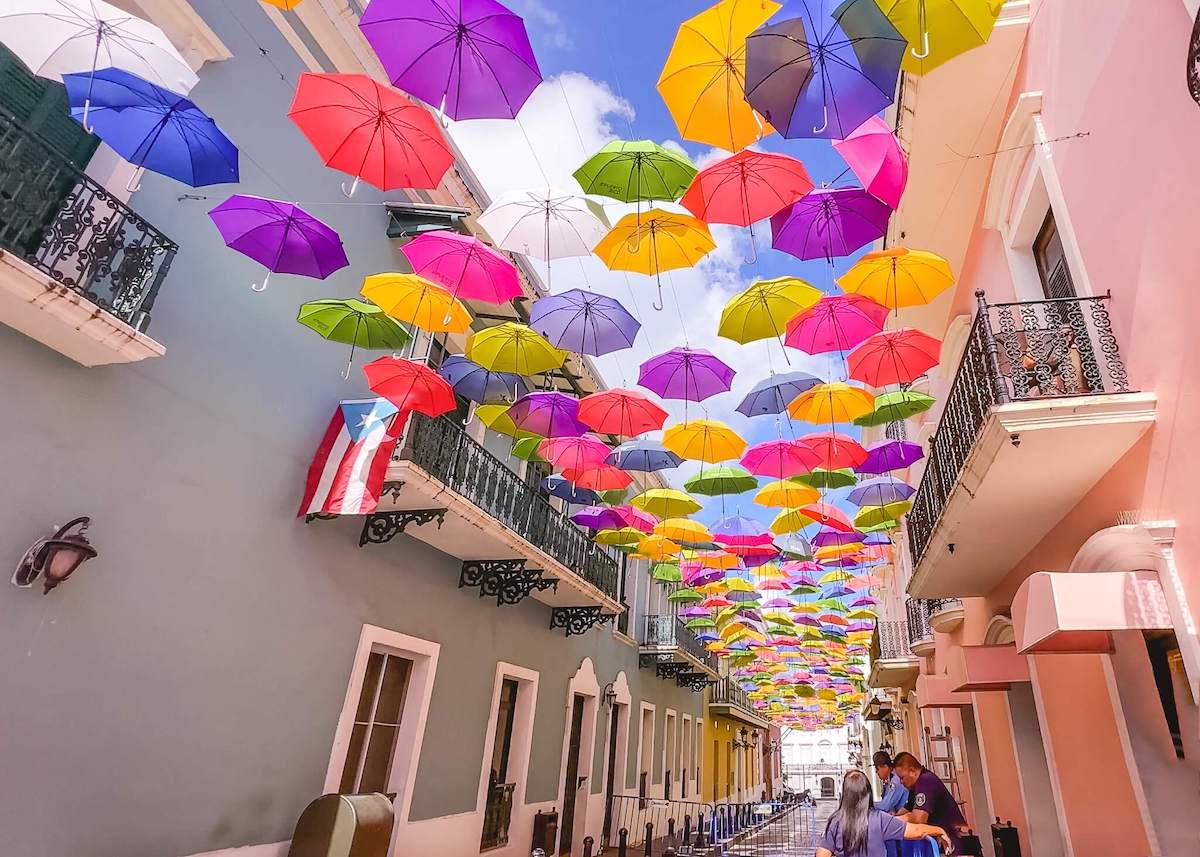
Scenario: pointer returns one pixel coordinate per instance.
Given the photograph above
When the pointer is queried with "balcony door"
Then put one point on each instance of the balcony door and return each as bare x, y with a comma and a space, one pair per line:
571, 778
498, 809
1052, 261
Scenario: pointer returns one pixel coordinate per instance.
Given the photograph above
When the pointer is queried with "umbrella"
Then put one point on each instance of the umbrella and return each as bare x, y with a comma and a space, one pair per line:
512, 347
940, 30
469, 58
152, 127
654, 242
621, 412
549, 414
703, 440
888, 455
829, 222
874, 155
574, 453
545, 223
835, 323
836, 538
666, 503
599, 478
496, 417
690, 374
642, 456
824, 514
682, 530
835, 450
410, 386
665, 572
703, 80
898, 277
880, 492
779, 459
354, 323
740, 531
584, 322
772, 395
824, 68
895, 406
764, 309
718, 481
473, 382
283, 237
636, 518
657, 548
786, 494
418, 301
598, 518
632, 171
563, 489
464, 265
881, 516
831, 403
526, 448
894, 357
747, 187
360, 127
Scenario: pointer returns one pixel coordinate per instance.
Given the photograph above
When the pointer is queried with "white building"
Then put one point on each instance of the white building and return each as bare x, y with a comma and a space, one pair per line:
816, 760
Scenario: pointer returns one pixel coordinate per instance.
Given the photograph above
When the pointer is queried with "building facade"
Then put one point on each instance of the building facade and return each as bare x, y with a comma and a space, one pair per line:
816, 761
737, 742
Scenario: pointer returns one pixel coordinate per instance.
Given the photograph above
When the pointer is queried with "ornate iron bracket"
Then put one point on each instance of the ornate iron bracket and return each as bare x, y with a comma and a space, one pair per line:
319, 516
393, 488
381, 527
507, 579
694, 681
671, 669
576, 620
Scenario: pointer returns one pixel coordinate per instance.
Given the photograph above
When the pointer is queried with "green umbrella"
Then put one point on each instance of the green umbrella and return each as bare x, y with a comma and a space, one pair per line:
665, 572
683, 596
895, 406
827, 478
526, 449
700, 623
355, 323
873, 516
721, 480
614, 496
631, 171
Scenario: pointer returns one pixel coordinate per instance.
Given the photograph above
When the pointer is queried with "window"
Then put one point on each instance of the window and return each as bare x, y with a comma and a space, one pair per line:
1163, 650
372, 746
501, 747
497, 813
1052, 261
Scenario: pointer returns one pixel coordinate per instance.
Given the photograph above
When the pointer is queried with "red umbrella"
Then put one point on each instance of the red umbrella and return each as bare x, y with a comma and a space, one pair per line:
747, 187
602, 478
828, 516
370, 131
410, 386
836, 451
894, 357
623, 412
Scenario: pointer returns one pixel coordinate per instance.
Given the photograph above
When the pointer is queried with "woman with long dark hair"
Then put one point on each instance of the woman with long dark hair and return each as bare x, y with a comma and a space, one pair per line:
857, 829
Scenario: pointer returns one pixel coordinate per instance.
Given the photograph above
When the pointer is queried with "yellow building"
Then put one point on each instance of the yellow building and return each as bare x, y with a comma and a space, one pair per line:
736, 743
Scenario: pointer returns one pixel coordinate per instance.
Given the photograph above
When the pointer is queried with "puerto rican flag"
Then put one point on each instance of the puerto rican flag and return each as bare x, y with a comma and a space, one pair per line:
348, 471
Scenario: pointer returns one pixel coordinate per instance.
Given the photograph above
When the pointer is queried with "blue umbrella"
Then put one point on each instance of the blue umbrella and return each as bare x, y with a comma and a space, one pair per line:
643, 456
584, 322
774, 394
473, 382
563, 489
879, 538
880, 492
153, 127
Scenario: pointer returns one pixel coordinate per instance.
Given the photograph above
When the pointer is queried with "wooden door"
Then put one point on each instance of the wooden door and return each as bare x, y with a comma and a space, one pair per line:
571, 778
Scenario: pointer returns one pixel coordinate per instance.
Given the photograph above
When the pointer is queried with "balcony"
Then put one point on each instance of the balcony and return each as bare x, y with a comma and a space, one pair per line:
892, 662
726, 698
79, 269
1039, 410
448, 491
945, 614
673, 650
920, 632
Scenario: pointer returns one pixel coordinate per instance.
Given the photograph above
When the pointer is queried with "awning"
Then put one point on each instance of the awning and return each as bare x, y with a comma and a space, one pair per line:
981, 668
935, 691
1076, 612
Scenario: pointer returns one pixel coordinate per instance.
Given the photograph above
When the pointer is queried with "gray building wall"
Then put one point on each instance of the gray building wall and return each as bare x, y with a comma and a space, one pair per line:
181, 693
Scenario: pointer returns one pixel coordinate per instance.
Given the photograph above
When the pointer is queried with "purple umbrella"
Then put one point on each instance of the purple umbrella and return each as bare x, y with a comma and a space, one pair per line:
740, 531
774, 394
473, 382
878, 538
693, 612
829, 222
548, 414
880, 492
888, 455
469, 58
599, 518
827, 537
691, 374
584, 322
283, 237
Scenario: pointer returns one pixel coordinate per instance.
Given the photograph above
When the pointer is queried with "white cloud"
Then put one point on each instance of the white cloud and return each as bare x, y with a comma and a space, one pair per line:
547, 23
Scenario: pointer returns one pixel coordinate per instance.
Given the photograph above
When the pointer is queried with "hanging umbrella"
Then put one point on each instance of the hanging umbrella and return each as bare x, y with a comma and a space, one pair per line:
703, 440
545, 223
598, 518
836, 538
657, 547
642, 456
654, 242
764, 309
584, 322
824, 68
835, 450
152, 127
496, 417
835, 402
779, 459
526, 449
666, 572
896, 406
564, 489
894, 357
370, 131
828, 223
471, 59
874, 156
772, 395
690, 374
410, 386
740, 531
581, 452
633, 171
549, 414
745, 188
512, 347
666, 503
418, 301
898, 277
599, 478
940, 30
353, 323
888, 455
718, 481
822, 478
703, 80
281, 236
786, 494
880, 492
476, 384
885, 516
464, 266
636, 518
682, 530
621, 412
835, 323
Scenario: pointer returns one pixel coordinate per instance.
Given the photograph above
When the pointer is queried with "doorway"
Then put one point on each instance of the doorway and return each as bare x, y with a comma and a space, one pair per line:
610, 782
571, 777
826, 786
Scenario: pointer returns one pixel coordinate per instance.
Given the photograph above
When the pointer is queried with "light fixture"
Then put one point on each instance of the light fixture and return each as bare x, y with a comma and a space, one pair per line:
610, 695
55, 558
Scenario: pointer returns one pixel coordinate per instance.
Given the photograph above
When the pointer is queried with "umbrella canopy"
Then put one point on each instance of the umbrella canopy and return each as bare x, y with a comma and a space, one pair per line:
836, 451
835, 402
549, 414
476, 384
464, 265
779, 459
882, 516
370, 131
772, 395
874, 156
598, 518
682, 530
896, 406
740, 531
584, 322
718, 481
666, 503
526, 448
828, 223
690, 374
496, 417
636, 518
824, 68
470, 58
894, 357
621, 412
835, 323
410, 386
153, 127
599, 478
512, 347
574, 453
654, 242
898, 277
564, 489
880, 492
418, 301
940, 30
632, 171
280, 236
703, 440
786, 494
354, 323
545, 223
703, 80
747, 187
642, 456
888, 455
764, 309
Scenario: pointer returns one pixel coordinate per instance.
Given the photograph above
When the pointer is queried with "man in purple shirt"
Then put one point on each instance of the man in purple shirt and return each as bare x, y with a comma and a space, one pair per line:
929, 801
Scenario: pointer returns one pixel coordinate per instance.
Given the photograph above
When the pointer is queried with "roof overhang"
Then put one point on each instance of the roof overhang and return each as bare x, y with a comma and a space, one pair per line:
935, 691
973, 669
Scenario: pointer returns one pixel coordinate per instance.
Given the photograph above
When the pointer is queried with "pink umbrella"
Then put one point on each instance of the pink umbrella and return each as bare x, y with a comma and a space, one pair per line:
836, 323
464, 265
574, 453
780, 459
636, 518
873, 153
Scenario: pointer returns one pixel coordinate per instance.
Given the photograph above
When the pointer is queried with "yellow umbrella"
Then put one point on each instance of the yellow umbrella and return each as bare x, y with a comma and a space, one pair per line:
654, 242
791, 521
666, 503
738, 584
683, 530
836, 402
703, 440
715, 560
873, 516
418, 301
764, 309
786, 493
899, 277
497, 419
512, 347
657, 548
939, 30
623, 536
704, 80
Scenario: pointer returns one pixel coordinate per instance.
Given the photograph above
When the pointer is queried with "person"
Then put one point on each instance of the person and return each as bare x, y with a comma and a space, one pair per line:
895, 795
858, 829
929, 801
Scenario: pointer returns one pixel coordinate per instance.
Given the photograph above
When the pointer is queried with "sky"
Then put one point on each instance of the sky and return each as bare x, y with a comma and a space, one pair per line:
601, 61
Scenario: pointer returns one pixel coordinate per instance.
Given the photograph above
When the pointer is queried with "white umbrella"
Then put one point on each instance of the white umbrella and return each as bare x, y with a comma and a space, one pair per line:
545, 223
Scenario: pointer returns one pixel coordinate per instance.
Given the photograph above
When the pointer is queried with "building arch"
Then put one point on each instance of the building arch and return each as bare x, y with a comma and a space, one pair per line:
827, 786
999, 631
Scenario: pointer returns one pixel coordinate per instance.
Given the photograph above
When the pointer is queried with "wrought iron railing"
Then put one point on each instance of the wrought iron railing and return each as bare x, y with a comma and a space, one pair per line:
892, 638
1015, 352
497, 815
727, 692
936, 605
664, 631
69, 227
442, 449
919, 629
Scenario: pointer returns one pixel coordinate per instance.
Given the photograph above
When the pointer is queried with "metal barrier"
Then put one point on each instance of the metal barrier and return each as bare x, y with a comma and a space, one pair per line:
664, 827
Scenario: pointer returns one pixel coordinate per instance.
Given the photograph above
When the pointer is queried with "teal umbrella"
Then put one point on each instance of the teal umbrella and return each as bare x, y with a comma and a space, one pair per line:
632, 171
354, 323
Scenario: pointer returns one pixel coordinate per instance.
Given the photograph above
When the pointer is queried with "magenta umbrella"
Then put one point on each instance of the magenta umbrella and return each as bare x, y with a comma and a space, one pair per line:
548, 414
574, 453
691, 374
466, 266
829, 222
780, 459
872, 152
636, 518
835, 323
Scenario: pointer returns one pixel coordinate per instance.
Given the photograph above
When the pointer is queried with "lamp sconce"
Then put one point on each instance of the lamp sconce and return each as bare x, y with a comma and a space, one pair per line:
55, 558
610, 695
893, 723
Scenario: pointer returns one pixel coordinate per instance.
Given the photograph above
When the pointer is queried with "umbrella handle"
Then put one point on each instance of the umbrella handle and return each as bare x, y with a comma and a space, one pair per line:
658, 305
924, 47
87, 108
753, 248
135, 181
825, 122
255, 287
353, 188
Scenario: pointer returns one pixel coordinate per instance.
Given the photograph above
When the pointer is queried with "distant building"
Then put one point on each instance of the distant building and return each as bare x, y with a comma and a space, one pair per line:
816, 761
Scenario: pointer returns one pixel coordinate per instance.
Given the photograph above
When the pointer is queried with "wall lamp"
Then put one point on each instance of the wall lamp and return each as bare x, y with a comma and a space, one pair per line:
610, 695
55, 558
